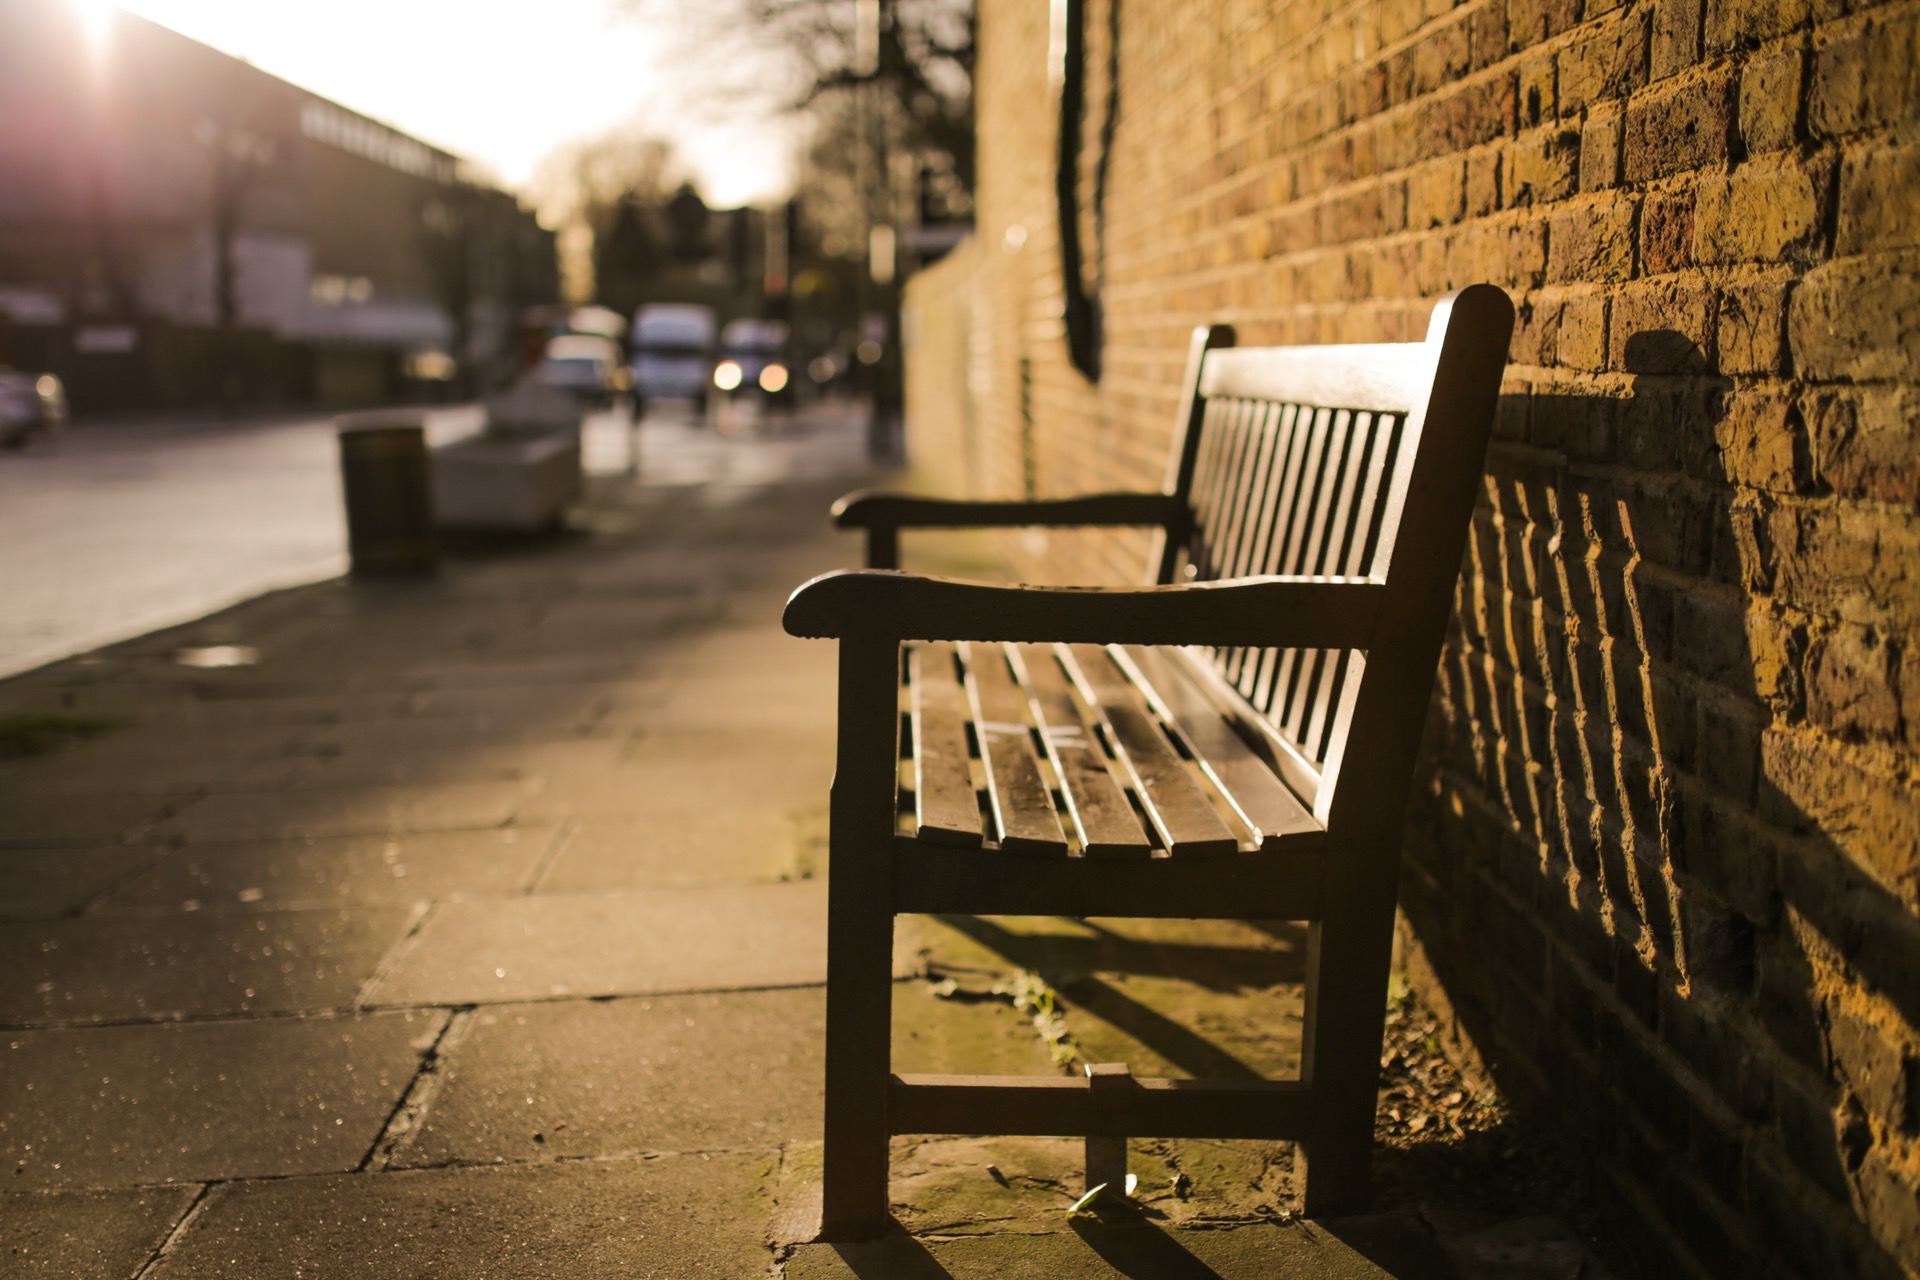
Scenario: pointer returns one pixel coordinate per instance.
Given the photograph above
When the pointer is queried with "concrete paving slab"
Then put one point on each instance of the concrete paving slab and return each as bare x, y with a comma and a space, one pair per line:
740, 701
327, 810
667, 1219
1089, 1250
599, 1078
673, 771
179, 1102
613, 943
324, 871
683, 848
38, 884
67, 1235
169, 765
39, 817
438, 673
193, 964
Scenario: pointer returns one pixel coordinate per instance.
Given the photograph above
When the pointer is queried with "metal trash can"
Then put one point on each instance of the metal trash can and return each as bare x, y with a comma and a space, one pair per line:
384, 473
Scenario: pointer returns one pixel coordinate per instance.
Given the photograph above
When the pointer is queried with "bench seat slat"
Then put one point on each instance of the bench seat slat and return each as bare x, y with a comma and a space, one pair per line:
1246, 780
1103, 821
1016, 791
946, 808
1175, 804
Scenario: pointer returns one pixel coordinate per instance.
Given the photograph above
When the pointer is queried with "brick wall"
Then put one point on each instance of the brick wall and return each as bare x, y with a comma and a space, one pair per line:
1666, 855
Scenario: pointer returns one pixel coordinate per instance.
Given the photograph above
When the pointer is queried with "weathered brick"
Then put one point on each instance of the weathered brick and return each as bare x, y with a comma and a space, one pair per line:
1680, 126
1675, 44
1487, 34
1763, 211
1439, 57
1666, 232
1531, 21
1890, 1197
1435, 194
1662, 327
1536, 91
1864, 77
1763, 442
1859, 564
1865, 440
1543, 166
1753, 329
1600, 151
1770, 100
1729, 850
1858, 318
1879, 1070
1476, 113
1880, 199
1483, 182
1872, 820
1582, 337
1850, 689
1607, 63
1806, 1115
1732, 24
1592, 243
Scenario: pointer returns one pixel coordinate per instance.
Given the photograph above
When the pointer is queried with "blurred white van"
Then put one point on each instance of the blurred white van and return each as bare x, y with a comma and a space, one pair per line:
673, 351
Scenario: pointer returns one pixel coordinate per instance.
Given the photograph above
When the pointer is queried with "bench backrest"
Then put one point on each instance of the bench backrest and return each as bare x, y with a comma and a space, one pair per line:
1338, 461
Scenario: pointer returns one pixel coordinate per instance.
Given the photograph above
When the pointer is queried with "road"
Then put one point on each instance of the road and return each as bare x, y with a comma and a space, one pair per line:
122, 528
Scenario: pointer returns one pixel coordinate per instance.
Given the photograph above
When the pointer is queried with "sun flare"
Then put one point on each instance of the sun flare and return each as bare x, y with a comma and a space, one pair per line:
96, 16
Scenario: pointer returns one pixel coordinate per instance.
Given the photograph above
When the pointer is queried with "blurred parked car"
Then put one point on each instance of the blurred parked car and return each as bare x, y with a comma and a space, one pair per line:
673, 351
586, 366
30, 403
753, 359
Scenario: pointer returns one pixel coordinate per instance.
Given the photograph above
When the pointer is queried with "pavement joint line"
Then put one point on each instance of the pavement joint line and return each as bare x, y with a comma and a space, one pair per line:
180, 1228
101, 895
404, 1121
201, 1019
556, 846
168, 809
416, 920
603, 997
598, 1157
363, 1011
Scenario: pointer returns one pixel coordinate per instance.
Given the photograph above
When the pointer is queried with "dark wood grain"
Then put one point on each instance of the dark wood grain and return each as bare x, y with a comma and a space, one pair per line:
1175, 804
946, 807
1103, 821
1017, 793
1245, 779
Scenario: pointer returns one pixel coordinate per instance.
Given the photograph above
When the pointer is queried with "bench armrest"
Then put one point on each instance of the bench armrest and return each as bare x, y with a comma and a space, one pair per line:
1281, 612
883, 514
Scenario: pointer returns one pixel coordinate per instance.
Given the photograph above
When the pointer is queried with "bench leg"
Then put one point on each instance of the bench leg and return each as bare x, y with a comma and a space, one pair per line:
860, 944
859, 1008
1347, 967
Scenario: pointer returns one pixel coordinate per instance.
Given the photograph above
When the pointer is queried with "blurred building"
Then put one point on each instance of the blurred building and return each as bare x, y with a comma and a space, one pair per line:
178, 227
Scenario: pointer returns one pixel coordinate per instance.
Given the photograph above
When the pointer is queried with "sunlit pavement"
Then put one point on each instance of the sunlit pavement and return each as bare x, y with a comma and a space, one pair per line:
475, 925
469, 928
123, 527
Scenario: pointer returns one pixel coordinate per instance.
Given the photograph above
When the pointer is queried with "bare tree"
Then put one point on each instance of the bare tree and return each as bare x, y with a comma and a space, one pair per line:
582, 187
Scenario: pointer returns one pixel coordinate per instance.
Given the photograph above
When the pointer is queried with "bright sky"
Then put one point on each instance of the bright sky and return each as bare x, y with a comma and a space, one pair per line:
500, 81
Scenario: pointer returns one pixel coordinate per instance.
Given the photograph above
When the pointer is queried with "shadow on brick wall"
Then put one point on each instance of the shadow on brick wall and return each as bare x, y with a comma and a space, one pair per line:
1635, 871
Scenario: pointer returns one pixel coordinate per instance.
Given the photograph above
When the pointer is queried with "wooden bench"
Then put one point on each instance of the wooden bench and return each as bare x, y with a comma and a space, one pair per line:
1235, 741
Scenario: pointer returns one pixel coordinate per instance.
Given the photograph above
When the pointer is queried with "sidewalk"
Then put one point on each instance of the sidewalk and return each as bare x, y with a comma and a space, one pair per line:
476, 930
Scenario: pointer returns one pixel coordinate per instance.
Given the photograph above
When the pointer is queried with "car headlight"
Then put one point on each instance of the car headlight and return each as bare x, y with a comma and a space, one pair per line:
726, 375
773, 378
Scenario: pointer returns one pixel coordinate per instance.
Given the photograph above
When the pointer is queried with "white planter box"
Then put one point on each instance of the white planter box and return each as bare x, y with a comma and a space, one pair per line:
506, 482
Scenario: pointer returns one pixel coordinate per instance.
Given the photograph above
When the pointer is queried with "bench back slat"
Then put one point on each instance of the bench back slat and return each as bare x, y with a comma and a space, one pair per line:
1298, 461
